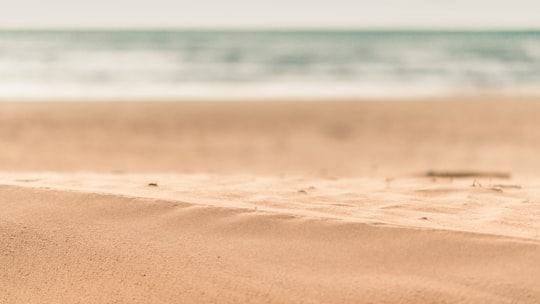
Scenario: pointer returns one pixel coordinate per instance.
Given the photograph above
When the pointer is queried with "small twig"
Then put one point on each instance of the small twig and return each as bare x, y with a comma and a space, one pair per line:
466, 174
476, 183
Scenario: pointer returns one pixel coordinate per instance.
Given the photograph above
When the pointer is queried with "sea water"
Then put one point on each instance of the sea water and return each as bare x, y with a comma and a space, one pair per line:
265, 64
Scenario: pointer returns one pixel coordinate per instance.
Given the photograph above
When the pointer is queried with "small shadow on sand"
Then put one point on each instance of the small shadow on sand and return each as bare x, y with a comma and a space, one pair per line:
339, 131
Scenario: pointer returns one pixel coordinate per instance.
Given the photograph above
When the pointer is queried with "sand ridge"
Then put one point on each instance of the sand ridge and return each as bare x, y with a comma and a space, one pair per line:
498, 207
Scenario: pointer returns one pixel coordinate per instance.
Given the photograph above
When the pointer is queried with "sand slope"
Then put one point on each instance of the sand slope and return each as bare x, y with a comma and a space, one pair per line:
66, 246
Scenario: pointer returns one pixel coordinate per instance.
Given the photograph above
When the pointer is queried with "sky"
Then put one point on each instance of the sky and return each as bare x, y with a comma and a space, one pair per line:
221, 14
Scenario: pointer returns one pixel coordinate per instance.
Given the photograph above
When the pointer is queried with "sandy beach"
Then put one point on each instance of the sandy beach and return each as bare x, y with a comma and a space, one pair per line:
409, 201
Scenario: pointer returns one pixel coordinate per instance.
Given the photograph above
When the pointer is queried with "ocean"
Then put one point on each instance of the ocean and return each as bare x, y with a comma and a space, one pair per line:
75, 65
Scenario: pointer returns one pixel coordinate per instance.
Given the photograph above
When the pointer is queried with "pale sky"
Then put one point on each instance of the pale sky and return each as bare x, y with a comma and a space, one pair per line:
422, 14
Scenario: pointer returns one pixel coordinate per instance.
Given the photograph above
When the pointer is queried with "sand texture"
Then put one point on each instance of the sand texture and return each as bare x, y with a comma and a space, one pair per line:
369, 202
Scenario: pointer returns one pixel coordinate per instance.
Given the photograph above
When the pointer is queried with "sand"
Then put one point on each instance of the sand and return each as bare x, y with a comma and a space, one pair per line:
270, 202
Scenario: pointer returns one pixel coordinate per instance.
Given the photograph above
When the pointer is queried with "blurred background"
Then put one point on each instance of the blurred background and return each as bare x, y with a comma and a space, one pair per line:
185, 50
479, 58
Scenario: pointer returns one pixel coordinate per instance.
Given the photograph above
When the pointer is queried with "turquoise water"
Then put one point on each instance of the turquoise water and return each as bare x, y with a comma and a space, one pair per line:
204, 64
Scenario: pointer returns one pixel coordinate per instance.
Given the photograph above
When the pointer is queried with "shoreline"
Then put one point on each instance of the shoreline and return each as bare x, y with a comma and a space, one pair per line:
256, 98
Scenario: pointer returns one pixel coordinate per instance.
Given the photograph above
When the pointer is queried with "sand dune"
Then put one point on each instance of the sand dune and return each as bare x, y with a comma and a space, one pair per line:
270, 202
